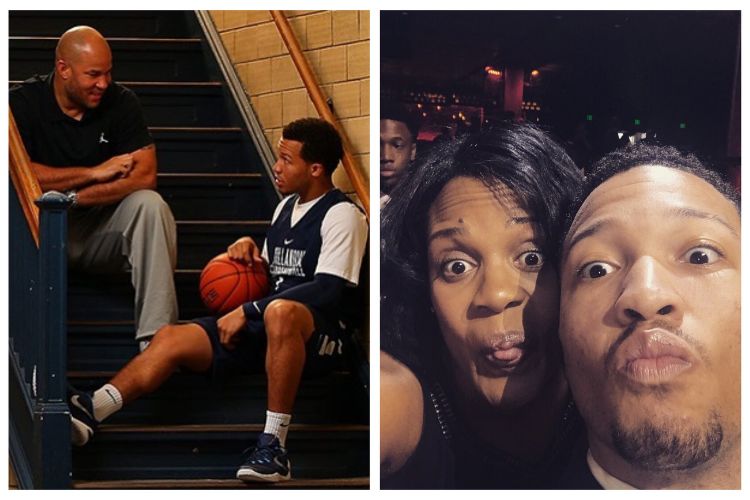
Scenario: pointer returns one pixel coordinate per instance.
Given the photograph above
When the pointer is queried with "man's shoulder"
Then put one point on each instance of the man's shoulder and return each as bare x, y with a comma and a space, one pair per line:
29, 99
35, 82
119, 95
31, 89
344, 208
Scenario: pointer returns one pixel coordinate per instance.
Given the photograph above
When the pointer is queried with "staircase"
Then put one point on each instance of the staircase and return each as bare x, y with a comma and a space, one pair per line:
188, 434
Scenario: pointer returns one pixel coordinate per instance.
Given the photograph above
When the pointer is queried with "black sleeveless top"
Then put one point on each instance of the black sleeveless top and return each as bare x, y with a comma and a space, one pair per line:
449, 456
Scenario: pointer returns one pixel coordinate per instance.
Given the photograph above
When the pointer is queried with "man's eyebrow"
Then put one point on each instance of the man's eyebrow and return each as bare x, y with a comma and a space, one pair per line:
685, 213
448, 232
589, 231
698, 214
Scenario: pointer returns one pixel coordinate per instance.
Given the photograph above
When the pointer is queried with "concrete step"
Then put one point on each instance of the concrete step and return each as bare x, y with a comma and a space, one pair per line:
352, 483
134, 58
111, 23
217, 196
188, 399
215, 451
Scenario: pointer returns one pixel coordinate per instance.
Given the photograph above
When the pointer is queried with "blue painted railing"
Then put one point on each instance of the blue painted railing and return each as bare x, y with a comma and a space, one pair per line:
39, 417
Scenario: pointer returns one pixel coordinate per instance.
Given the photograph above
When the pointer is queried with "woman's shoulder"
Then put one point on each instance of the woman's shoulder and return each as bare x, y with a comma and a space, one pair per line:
401, 413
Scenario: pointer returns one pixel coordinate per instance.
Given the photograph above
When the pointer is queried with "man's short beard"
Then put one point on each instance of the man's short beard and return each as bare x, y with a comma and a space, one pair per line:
668, 448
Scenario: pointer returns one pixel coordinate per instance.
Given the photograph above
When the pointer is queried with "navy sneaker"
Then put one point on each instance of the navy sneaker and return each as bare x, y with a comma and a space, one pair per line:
82, 421
267, 462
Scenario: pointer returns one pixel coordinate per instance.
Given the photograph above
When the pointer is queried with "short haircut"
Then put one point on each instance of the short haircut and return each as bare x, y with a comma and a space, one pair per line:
398, 113
637, 155
524, 159
321, 142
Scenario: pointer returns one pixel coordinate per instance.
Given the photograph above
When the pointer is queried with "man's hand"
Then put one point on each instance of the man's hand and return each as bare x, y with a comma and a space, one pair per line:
245, 250
127, 174
117, 167
230, 326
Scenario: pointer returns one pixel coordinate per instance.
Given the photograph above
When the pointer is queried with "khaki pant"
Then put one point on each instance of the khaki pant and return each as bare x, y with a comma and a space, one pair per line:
137, 235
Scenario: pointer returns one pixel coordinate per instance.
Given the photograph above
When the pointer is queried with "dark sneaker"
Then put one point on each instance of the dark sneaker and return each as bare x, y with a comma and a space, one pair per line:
82, 421
267, 462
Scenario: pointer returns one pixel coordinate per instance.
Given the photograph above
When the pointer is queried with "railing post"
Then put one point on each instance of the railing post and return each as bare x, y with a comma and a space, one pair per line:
51, 414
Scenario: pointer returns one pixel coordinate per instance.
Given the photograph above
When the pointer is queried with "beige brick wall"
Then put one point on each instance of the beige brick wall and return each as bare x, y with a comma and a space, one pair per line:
337, 47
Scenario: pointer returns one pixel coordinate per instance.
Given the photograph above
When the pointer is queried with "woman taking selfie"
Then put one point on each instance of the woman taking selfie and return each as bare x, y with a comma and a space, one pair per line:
472, 388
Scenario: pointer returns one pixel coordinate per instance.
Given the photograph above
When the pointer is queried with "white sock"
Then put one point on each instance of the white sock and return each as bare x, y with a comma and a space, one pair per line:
278, 425
107, 401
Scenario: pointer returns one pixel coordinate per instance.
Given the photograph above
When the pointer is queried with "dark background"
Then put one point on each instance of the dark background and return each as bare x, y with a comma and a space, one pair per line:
673, 75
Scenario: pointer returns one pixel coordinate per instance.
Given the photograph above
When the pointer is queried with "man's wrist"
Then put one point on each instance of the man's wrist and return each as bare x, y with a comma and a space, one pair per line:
72, 195
252, 311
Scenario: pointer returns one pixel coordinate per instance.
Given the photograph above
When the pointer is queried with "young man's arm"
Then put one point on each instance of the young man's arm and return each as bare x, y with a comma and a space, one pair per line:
344, 234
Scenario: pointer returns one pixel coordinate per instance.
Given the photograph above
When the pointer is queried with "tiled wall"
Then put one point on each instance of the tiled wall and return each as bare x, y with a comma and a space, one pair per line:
337, 47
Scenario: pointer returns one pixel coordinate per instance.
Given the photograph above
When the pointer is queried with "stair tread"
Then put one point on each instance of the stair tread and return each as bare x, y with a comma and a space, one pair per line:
114, 39
195, 129
210, 428
89, 374
347, 482
153, 84
258, 222
213, 175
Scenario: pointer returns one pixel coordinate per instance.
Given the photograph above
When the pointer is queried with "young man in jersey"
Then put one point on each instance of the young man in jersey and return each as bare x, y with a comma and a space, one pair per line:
314, 251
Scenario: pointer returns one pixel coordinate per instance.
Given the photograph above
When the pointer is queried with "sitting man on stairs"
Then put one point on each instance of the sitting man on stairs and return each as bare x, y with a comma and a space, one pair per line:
314, 249
86, 136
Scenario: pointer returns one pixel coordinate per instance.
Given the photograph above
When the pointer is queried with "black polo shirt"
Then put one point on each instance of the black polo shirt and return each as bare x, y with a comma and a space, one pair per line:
54, 139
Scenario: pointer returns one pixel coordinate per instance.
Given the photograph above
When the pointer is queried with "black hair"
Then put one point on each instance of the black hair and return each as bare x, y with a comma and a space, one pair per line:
398, 113
523, 158
321, 142
636, 155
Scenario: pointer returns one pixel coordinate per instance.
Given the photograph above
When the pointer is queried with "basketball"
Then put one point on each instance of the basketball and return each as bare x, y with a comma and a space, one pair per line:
225, 284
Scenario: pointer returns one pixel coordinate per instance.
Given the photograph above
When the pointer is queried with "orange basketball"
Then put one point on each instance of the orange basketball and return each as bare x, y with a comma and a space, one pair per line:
226, 284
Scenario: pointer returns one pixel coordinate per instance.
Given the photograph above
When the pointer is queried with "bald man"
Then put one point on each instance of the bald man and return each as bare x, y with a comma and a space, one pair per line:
86, 136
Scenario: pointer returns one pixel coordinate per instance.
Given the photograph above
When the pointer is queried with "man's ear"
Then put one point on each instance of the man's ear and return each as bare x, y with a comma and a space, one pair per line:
413, 154
317, 169
63, 69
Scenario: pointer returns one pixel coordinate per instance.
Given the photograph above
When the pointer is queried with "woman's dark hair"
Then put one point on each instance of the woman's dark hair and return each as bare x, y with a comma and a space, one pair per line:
520, 156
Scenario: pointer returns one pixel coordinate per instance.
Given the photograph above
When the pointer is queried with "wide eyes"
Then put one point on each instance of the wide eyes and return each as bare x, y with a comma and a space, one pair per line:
701, 256
454, 268
531, 261
595, 270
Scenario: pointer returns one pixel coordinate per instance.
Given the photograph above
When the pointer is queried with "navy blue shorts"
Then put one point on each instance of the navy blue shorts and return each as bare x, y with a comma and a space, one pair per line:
324, 349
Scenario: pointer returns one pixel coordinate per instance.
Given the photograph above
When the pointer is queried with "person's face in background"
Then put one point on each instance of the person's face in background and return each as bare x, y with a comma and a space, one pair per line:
397, 149
495, 299
650, 320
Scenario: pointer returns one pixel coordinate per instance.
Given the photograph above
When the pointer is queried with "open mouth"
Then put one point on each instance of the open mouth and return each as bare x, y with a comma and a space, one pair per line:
505, 353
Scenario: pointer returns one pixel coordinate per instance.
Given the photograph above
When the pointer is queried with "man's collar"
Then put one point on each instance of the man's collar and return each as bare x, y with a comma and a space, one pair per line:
51, 108
604, 478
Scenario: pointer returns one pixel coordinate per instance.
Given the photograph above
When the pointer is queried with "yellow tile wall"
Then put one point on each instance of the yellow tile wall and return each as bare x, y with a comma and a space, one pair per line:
337, 47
